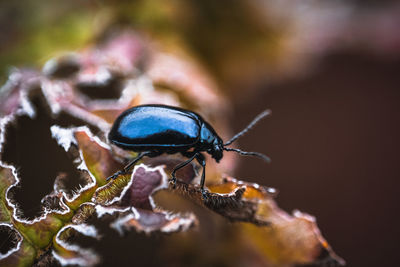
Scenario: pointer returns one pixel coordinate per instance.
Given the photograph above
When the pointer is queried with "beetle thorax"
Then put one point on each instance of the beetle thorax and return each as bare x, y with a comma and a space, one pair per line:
211, 142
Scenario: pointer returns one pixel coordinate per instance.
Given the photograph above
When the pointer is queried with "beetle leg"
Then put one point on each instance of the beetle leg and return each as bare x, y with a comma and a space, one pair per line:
200, 159
179, 166
129, 166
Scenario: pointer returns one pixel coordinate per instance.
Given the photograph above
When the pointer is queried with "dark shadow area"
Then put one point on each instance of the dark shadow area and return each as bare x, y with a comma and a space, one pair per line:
63, 68
39, 159
109, 89
116, 250
8, 239
334, 141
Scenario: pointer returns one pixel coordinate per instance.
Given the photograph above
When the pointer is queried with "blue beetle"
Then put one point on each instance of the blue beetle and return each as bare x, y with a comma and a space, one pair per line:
156, 129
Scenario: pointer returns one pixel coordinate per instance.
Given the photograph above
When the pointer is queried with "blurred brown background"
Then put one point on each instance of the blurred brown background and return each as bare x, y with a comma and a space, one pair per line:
335, 152
329, 70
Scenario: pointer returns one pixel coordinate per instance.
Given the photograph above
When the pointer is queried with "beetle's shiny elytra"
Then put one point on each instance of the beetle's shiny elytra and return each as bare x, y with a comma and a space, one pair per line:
156, 129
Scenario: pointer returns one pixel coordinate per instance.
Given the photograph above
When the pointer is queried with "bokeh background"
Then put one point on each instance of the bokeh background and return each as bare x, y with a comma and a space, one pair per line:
329, 70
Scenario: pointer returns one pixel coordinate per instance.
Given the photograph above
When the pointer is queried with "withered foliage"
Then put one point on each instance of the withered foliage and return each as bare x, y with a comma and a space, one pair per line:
75, 99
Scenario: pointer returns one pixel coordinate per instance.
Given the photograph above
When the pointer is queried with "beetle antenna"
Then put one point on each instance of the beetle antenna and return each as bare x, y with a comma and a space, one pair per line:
245, 153
251, 124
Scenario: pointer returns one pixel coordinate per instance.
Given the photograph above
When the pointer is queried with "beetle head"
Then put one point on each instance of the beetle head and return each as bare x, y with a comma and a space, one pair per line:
217, 149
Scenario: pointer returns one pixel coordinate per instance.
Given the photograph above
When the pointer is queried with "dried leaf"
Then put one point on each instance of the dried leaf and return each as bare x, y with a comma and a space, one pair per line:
149, 221
134, 200
93, 88
279, 237
21, 254
68, 254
